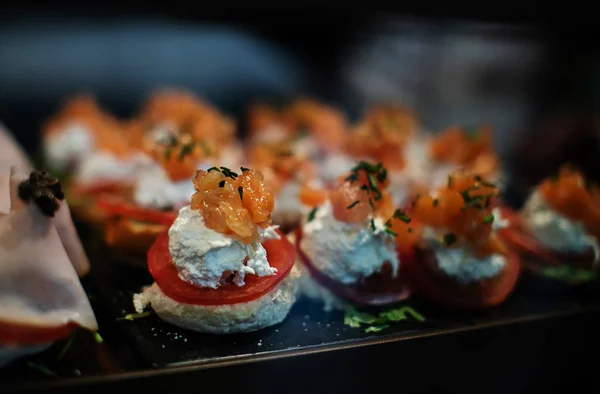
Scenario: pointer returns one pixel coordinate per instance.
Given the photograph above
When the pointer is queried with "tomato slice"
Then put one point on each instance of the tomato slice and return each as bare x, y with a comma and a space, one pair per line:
117, 206
101, 187
378, 289
13, 334
443, 290
280, 253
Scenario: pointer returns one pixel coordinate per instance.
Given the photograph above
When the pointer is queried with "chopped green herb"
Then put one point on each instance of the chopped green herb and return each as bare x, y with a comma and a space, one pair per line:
66, 347
42, 369
368, 167
364, 187
135, 316
213, 169
487, 201
222, 183
373, 225
376, 328
488, 219
400, 215
352, 205
488, 184
241, 192
186, 150
390, 232
449, 181
311, 214
373, 186
449, 239
244, 169
436, 202
388, 223
228, 173
205, 148
371, 204
351, 178
570, 274
382, 175
97, 337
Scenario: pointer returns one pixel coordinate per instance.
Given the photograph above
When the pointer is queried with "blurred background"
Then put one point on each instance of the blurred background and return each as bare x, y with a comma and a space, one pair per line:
536, 83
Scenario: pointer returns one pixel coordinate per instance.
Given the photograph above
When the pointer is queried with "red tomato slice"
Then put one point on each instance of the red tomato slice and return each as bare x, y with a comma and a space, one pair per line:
444, 291
377, 289
96, 188
280, 253
117, 206
17, 334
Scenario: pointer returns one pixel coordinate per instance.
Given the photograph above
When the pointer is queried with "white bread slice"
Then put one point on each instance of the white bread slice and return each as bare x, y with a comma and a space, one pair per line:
266, 311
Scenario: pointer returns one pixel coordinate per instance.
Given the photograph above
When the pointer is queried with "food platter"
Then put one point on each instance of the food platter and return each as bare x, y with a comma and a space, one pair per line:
149, 351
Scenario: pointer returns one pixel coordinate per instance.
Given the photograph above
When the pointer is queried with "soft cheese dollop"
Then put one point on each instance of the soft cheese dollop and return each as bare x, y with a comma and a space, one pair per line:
154, 189
105, 166
202, 256
347, 252
70, 144
556, 231
460, 263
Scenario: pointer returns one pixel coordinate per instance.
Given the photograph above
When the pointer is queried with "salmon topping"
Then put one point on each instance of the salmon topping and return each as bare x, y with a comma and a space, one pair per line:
462, 210
233, 204
570, 194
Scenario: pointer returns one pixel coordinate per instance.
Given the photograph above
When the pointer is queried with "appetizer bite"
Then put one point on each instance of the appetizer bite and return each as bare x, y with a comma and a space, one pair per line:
314, 130
556, 233
170, 114
221, 267
41, 298
460, 260
89, 148
347, 242
390, 134
462, 149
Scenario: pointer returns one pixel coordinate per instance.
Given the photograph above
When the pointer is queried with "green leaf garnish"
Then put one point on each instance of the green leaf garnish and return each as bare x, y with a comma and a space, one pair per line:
213, 169
244, 169
368, 167
356, 319
222, 183
373, 187
373, 225
488, 219
42, 369
351, 178
371, 204
135, 316
449, 239
228, 173
376, 328
352, 205
569, 274
241, 192
311, 214
66, 347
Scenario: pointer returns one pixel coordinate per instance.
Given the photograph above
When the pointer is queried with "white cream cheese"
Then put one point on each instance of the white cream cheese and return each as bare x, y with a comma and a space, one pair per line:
69, 145
153, 188
105, 166
347, 252
556, 231
287, 201
459, 263
202, 255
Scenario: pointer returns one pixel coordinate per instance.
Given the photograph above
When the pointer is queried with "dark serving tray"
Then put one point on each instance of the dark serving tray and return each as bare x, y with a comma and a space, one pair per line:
150, 353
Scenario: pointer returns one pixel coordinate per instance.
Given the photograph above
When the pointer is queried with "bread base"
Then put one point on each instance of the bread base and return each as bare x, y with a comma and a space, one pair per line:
266, 311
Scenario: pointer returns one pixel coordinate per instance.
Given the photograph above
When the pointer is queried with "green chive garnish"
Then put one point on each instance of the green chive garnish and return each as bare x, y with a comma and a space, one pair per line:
352, 205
